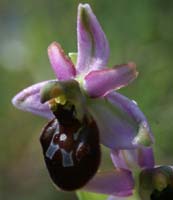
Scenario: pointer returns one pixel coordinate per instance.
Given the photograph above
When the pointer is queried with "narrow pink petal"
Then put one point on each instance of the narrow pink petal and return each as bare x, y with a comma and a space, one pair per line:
141, 157
119, 120
99, 82
118, 182
93, 47
29, 100
61, 64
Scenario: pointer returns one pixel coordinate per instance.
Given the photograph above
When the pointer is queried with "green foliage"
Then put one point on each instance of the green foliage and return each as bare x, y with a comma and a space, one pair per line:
90, 196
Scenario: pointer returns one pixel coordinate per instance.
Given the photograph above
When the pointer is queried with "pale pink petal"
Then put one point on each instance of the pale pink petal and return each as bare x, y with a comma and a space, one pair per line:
117, 182
93, 48
141, 157
29, 100
120, 122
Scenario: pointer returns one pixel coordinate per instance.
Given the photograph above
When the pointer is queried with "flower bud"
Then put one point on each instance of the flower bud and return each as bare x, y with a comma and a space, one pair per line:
156, 183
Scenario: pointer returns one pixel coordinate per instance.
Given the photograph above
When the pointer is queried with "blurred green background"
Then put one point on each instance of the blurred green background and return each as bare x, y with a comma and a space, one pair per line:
138, 30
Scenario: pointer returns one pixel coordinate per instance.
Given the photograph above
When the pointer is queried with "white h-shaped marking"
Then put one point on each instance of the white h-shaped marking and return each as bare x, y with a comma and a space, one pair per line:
53, 147
67, 158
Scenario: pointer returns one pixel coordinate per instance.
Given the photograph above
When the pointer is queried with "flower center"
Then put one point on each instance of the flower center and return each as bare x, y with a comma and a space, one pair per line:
70, 142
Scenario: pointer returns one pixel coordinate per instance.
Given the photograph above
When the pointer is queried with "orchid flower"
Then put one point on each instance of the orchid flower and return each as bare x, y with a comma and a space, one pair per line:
152, 182
85, 111
156, 183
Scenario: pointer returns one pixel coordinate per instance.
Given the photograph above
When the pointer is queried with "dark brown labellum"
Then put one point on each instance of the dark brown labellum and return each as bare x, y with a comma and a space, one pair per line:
71, 152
